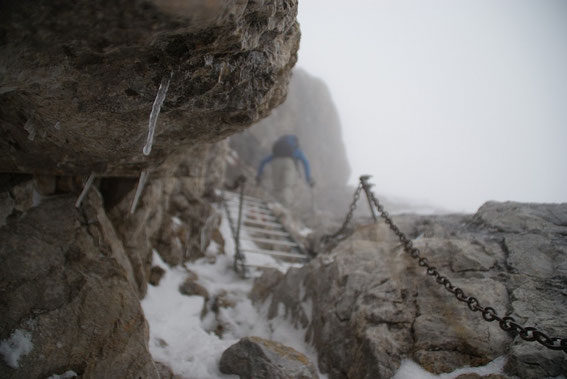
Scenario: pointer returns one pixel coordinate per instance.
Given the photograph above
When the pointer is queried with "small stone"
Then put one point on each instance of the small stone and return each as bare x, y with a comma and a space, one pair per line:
191, 288
156, 273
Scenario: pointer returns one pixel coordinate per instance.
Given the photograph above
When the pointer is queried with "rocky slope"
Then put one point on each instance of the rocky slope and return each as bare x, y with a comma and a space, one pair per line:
78, 82
368, 304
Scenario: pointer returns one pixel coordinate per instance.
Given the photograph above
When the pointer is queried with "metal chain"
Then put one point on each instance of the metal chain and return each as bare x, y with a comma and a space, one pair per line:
341, 234
488, 313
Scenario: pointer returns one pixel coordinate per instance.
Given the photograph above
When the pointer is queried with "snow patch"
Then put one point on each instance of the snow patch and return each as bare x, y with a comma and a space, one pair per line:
411, 370
15, 347
187, 343
66, 375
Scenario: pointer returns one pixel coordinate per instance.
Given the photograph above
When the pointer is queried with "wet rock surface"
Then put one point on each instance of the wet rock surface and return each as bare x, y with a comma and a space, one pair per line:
368, 304
78, 79
255, 357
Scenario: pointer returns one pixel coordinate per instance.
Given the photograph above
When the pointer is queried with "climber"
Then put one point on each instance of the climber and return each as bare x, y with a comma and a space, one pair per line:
283, 176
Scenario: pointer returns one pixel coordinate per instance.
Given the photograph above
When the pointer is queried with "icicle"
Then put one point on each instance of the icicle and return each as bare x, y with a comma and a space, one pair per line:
85, 190
139, 189
28, 127
160, 97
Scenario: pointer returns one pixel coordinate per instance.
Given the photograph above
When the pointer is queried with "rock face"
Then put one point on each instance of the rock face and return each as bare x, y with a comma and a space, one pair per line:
255, 357
173, 215
368, 303
64, 284
78, 80
309, 113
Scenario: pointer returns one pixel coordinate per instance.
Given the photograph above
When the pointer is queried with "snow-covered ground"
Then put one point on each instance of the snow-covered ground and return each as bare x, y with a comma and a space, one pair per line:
184, 338
185, 341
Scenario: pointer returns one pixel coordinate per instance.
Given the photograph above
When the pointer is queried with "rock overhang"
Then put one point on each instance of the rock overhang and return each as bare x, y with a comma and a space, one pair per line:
78, 80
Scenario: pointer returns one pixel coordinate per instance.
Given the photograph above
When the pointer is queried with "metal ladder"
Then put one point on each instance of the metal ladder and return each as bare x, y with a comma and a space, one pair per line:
258, 233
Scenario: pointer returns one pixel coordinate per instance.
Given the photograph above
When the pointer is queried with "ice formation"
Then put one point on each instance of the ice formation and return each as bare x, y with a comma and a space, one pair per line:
30, 129
66, 375
139, 189
160, 97
85, 190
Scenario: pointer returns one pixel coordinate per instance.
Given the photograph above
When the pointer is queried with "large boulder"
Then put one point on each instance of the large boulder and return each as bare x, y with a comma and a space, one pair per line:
78, 80
67, 299
368, 304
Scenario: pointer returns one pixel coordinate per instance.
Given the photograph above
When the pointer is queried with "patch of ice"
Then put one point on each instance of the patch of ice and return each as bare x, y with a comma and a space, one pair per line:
66, 375
15, 347
85, 190
141, 184
28, 127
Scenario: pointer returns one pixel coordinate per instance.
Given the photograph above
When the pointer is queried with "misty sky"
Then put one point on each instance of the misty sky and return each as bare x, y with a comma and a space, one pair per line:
452, 103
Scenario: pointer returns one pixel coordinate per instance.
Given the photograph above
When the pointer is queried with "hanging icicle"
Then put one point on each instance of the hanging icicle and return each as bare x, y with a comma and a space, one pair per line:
160, 97
86, 188
139, 189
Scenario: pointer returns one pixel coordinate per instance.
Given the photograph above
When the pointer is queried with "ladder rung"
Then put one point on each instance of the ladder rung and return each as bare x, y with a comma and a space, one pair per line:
271, 241
252, 198
266, 231
274, 253
260, 217
246, 198
234, 204
252, 209
262, 266
279, 268
260, 222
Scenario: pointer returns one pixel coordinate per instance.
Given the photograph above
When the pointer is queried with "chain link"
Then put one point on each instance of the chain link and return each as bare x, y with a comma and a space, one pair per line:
488, 313
343, 233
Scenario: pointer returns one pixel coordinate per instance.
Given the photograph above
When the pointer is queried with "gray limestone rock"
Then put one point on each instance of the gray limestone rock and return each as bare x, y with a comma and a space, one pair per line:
79, 79
367, 304
62, 284
255, 357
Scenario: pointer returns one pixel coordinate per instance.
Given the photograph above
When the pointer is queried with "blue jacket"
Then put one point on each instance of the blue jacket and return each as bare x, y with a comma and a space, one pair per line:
293, 151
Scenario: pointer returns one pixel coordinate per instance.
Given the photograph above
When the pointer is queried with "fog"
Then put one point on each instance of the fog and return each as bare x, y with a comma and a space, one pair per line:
449, 103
